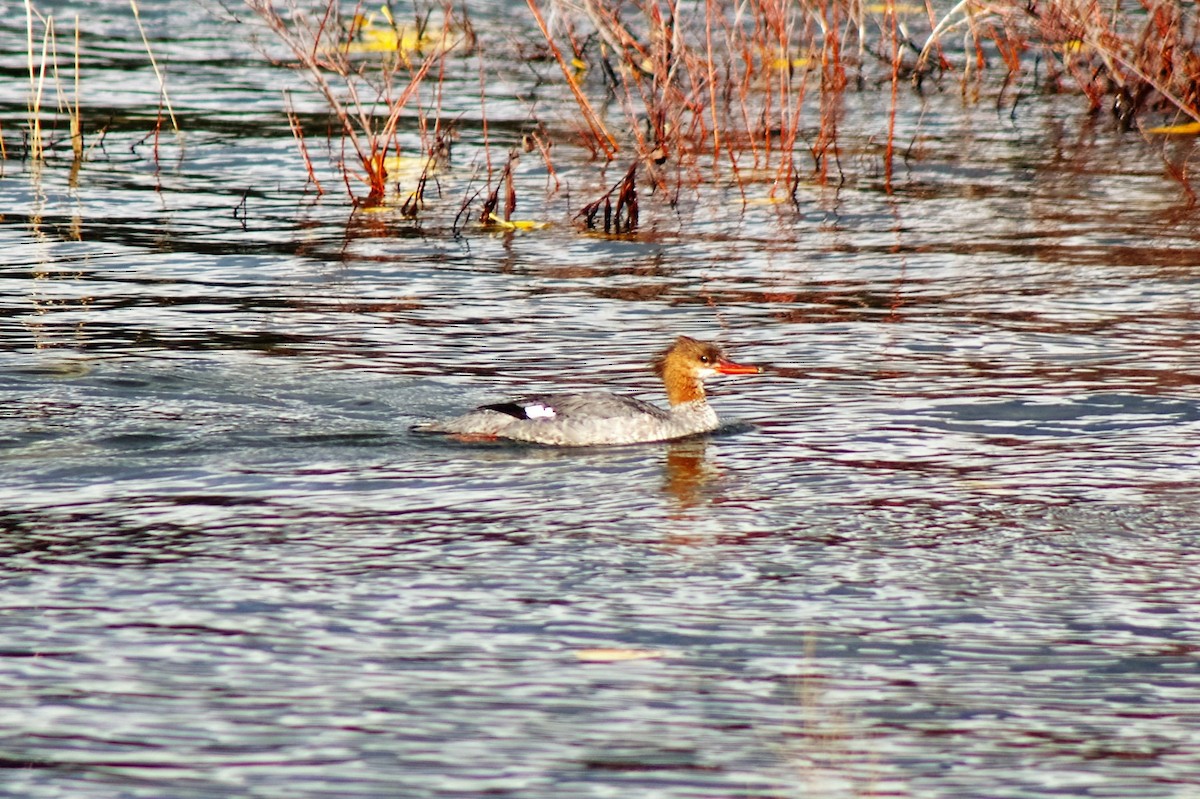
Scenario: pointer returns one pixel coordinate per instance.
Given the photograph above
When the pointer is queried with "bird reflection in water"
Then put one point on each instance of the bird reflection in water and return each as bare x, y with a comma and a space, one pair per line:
686, 472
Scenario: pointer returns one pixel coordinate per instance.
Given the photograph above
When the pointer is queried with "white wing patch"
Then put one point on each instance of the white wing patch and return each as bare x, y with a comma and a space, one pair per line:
539, 411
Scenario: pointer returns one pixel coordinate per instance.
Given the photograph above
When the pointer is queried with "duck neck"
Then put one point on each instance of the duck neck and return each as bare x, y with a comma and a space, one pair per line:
682, 386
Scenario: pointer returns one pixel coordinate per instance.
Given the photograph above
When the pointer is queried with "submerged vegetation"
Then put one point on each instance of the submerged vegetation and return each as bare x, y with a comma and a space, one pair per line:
680, 94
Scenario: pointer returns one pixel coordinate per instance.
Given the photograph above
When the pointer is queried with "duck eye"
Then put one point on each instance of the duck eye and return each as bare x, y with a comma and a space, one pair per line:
704, 359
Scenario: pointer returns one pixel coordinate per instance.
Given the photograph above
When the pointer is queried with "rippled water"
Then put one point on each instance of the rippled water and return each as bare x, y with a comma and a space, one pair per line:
949, 549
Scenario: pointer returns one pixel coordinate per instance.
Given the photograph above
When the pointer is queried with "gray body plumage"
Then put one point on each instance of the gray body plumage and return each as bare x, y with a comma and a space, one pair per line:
588, 418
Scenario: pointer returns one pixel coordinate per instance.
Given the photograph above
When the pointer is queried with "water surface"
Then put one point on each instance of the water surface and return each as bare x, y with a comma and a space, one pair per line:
947, 549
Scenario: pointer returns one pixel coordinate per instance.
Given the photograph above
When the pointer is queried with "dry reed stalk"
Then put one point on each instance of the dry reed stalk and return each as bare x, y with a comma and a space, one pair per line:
162, 83
37, 79
1136, 96
710, 63
788, 174
298, 134
1133, 62
943, 25
621, 217
308, 53
833, 83
76, 119
381, 142
537, 139
726, 79
483, 117
437, 143
889, 151
64, 103
324, 64
792, 90
487, 215
415, 201
599, 132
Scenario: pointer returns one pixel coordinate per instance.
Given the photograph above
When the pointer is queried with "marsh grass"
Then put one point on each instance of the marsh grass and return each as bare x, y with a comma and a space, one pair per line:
366, 95
43, 62
1134, 62
693, 95
37, 77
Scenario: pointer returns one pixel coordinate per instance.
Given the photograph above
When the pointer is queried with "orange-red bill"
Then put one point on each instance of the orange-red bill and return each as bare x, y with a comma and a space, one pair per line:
730, 368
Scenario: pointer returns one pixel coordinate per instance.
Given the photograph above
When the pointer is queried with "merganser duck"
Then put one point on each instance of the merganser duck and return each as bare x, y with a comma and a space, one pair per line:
593, 418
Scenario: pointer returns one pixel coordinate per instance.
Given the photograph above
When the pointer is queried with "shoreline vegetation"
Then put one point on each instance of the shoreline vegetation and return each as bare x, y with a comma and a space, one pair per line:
707, 90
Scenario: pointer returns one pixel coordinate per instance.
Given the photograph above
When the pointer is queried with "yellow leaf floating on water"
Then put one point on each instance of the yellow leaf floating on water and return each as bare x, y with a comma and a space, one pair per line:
615, 655
409, 166
388, 40
783, 62
779, 58
899, 8
1186, 129
517, 224
767, 200
403, 39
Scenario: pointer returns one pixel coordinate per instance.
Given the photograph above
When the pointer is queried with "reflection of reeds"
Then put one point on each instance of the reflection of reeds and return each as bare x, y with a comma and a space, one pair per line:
829, 752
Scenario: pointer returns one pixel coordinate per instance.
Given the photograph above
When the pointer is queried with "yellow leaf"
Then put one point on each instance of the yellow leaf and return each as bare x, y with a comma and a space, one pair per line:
517, 224
615, 655
899, 8
1186, 129
779, 58
409, 167
403, 39
783, 62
